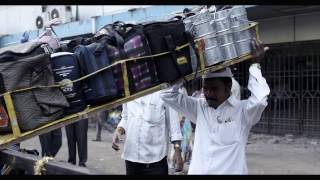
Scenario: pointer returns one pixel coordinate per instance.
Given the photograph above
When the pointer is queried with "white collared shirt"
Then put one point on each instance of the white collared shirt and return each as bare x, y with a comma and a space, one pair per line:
221, 134
148, 124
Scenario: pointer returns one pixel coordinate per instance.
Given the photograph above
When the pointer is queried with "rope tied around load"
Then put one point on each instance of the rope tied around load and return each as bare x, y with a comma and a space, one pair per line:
178, 48
39, 165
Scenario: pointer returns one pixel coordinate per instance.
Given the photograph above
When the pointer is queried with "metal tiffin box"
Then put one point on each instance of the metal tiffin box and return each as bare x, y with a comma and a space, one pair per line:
241, 31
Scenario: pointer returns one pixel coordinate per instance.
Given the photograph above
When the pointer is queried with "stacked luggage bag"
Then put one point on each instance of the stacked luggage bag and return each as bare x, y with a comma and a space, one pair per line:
98, 60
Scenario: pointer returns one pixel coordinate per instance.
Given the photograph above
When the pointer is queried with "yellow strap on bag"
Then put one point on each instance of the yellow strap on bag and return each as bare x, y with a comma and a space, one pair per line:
12, 114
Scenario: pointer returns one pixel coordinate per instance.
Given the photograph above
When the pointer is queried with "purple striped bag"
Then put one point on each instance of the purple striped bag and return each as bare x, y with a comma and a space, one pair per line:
142, 73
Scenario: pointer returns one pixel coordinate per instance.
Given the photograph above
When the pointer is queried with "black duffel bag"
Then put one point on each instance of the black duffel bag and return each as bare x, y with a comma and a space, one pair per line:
27, 65
164, 37
101, 87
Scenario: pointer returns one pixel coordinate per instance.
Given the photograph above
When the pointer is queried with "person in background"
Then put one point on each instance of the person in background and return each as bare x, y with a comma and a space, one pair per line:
77, 137
186, 131
148, 126
99, 117
50, 142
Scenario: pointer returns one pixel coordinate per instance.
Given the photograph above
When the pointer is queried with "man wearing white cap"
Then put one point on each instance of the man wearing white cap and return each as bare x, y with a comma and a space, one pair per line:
223, 122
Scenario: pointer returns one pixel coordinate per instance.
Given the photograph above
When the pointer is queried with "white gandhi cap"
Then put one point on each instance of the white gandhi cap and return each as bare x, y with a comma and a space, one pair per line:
222, 73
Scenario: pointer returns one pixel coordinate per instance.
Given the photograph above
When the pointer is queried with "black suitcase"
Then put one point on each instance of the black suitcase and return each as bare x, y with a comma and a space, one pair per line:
66, 69
164, 37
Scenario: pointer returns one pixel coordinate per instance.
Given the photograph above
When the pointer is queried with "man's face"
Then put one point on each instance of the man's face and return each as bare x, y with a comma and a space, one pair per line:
215, 91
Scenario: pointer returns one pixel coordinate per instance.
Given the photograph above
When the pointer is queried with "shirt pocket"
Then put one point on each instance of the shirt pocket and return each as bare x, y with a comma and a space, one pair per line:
154, 113
229, 131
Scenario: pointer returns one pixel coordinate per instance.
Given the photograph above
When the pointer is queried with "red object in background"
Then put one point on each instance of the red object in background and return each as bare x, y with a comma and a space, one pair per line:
3, 117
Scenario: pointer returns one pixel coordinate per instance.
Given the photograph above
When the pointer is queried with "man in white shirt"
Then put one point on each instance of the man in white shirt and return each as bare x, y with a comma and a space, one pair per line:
148, 123
223, 122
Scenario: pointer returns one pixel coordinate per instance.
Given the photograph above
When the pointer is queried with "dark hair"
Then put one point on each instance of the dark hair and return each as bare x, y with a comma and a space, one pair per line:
226, 80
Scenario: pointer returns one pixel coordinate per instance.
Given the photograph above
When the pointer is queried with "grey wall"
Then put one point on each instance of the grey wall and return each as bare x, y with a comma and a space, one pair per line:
289, 29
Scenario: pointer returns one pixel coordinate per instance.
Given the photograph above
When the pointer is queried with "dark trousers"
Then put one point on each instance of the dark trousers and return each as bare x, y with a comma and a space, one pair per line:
101, 116
51, 143
157, 168
98, 128
77, 139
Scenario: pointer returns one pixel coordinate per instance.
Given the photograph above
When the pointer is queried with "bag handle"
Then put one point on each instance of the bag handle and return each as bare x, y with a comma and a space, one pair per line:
136, 27
120, 27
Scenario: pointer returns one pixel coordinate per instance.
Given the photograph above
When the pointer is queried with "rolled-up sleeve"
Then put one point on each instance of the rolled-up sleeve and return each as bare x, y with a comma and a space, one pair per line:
173, 122
184, 104
257, 102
